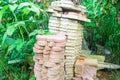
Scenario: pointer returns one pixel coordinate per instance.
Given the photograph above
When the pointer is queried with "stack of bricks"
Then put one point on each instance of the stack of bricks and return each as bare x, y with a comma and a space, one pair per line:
73, 46
85, 69
89, 73
49, 57
67, 18
54, 24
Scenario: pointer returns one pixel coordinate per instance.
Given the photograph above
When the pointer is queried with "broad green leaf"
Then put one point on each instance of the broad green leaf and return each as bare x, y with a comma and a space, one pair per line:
7, 41
4, 37
13, 7
19, 44
35, 32
1, 14
23, 5
13, 27
35, 9
1, 26
11, 47
20, 23
26, 10
2, 11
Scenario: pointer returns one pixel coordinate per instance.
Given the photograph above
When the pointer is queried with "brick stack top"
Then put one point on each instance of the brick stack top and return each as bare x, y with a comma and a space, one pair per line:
49, 57
67, 9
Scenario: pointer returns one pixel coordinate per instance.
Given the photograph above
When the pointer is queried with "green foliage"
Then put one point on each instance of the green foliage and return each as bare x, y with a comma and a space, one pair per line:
19, 23
104, 28
115, 76
32, 78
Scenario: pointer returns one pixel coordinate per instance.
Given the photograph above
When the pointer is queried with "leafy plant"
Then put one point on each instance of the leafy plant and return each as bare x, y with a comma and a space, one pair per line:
104, 27
19, 23
115, 76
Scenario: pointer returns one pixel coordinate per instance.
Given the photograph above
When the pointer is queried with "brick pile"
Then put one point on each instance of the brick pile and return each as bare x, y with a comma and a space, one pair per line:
85, 69
73, 46
49, 57
74, 32
89, 73
66, 17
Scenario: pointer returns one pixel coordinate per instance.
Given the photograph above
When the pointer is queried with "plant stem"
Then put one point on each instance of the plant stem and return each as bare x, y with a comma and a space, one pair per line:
21, 34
